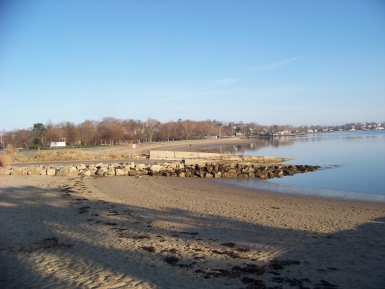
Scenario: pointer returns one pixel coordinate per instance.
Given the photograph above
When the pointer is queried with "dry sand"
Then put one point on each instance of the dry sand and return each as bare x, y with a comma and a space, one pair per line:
156, 232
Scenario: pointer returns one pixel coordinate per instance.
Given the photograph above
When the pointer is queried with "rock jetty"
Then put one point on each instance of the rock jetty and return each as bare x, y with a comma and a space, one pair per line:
177, 169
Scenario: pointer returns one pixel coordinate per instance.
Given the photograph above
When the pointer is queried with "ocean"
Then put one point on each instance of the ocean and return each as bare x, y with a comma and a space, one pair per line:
352, 164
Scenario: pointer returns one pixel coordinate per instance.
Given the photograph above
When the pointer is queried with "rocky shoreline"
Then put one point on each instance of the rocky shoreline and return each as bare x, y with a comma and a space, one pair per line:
177, 169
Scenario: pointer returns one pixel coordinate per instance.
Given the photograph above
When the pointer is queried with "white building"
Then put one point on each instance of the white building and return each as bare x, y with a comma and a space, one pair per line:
60, 143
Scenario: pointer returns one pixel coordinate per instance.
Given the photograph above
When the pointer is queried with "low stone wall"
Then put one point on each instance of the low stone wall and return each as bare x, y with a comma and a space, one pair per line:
196, 157
206, 170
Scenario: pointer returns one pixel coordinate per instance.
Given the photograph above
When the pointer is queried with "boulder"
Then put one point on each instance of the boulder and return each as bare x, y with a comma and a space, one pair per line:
120, 172
141, 166
156, 168
4, 171
231, 173
218, 174
278, 173
73, 171
80, 167
51, 172
36, 171
87, 172
110, 173
99, 165
63, 171
101, 172
136, 173
18, 171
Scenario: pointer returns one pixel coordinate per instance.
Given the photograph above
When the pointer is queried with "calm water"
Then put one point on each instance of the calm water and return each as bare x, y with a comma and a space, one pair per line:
353, 164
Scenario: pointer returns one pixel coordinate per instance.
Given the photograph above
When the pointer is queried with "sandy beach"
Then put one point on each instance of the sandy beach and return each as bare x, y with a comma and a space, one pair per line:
157, 232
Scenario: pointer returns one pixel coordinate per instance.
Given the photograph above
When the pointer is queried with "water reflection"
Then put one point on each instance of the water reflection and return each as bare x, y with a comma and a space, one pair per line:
277, 141
254, 146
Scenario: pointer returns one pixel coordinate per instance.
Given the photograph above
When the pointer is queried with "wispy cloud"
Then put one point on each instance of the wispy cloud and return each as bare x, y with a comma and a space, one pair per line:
225, 81
277, 64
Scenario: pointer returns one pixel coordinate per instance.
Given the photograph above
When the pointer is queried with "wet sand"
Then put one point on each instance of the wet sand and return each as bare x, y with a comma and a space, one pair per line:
157, 232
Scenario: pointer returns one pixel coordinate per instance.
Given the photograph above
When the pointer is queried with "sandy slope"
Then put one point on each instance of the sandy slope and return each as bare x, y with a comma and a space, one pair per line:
125, 232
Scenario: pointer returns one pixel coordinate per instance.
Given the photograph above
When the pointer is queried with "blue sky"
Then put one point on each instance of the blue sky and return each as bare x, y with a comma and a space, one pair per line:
270, 62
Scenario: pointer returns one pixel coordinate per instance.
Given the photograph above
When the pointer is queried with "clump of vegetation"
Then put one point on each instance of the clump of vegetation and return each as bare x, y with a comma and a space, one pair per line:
7, 156
5, 160
59, 155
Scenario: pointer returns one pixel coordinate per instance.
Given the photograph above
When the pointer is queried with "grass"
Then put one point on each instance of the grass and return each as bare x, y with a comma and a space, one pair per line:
68, 153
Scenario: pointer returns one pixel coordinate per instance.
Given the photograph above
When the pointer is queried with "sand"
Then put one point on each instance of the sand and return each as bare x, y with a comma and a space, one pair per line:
157, 232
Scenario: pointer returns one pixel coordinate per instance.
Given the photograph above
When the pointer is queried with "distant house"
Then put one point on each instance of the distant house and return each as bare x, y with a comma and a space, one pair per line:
60, 143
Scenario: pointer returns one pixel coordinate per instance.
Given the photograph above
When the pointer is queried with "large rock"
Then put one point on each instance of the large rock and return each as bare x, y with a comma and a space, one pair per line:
136, 173
51, 172
4, 171
18, 171
99, 165
231, 173
63, 171
36, 171
120, 172
81, 167
218, 174
101, 172
87, 172
176, 165
156, 168
73, 171
141, 166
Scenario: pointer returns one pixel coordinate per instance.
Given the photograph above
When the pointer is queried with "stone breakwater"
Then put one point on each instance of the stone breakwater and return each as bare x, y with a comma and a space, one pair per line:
178, 169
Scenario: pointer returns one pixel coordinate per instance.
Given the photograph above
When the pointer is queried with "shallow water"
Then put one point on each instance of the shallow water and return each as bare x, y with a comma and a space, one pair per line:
352, 164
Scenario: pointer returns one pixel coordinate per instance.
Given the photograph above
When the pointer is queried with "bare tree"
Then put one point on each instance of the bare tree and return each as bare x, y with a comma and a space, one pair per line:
111, 130
23, 138
71, 133
150, 128
134, 130
167, 130
189, 128
206, 128
87, 132
52, 133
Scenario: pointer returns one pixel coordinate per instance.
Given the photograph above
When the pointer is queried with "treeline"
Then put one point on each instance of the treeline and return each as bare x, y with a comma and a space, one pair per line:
113, 131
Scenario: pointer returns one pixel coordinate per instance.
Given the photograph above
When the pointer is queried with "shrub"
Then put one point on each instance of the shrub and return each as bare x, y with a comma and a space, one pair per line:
7, 156
5, 160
